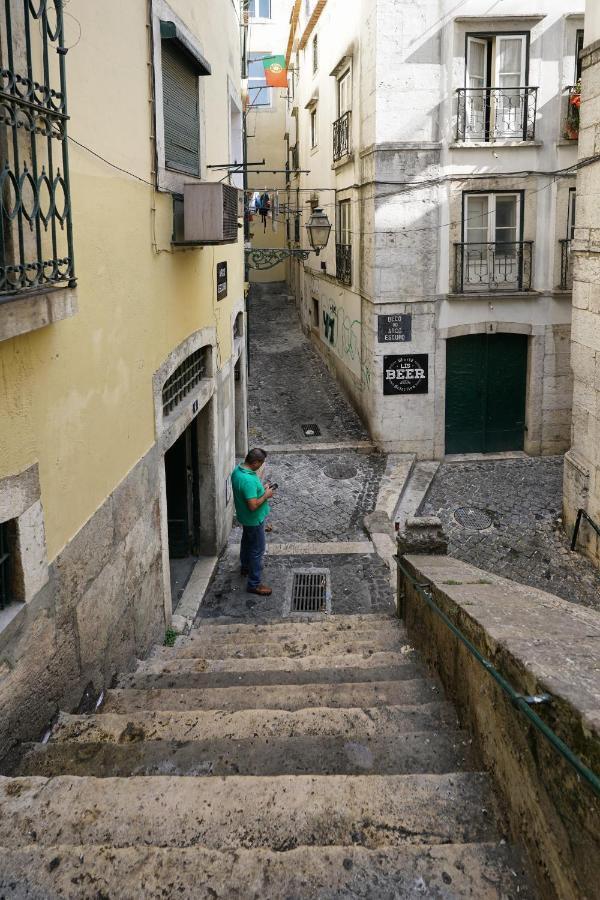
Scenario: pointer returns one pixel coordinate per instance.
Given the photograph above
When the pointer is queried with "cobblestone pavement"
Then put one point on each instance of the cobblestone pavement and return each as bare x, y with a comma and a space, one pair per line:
322, 496
289, 384
524, 542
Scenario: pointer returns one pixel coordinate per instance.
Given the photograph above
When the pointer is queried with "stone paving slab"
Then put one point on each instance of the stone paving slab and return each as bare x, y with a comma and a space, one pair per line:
359, 584
525, 542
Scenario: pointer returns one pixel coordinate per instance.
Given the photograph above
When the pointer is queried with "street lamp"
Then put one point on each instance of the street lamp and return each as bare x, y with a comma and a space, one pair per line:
319, 229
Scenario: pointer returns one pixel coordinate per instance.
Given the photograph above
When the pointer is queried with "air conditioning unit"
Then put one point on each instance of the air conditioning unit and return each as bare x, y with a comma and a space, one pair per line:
210, 213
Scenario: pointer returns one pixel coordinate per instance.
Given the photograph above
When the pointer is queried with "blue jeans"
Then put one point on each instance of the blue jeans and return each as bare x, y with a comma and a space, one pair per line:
252, 552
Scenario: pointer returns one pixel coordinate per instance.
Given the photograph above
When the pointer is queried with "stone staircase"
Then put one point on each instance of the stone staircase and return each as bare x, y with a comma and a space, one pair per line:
289, 760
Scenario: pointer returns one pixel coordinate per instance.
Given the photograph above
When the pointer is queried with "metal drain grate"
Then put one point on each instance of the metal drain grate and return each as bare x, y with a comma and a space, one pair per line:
468, 517
311, 430
310, 591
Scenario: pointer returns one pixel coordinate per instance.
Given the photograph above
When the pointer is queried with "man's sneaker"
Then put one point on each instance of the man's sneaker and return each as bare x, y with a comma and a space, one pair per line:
262, 590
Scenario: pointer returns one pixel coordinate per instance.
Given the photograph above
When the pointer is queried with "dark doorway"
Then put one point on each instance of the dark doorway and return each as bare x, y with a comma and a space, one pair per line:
183, 507
486, 377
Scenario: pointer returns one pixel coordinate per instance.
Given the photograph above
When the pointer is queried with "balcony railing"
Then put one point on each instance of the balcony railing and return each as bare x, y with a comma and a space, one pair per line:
571, 114
341, 136
36, 240
496, 114
493, 267
566, 270
343, 263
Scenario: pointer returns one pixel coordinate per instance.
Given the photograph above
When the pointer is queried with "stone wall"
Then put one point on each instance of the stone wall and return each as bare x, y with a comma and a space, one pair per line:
101, 608
551, 810
582, 464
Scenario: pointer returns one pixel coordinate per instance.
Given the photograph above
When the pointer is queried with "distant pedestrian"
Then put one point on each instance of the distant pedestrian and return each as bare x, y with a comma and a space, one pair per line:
251, 499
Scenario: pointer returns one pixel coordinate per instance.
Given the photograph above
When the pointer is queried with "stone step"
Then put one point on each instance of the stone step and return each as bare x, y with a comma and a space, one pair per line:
312, 645
328, 625
289, 696
280, 812
430, 751
274, 664
355, 724
485, 871
323, 674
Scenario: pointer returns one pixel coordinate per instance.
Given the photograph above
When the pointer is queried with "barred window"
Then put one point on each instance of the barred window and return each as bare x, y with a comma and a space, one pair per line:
185, 377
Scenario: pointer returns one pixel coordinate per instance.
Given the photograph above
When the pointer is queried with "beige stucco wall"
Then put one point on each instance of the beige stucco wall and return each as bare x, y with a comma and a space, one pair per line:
76, 396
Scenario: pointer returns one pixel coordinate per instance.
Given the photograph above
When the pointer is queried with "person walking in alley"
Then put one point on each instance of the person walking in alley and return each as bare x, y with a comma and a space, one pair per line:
251, 500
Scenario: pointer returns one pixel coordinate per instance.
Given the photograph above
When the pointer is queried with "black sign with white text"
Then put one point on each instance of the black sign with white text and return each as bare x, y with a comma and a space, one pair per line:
221, 280
406, 374
395, 328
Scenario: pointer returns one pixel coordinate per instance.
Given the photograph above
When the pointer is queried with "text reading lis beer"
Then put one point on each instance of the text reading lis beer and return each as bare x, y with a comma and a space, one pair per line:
406, 374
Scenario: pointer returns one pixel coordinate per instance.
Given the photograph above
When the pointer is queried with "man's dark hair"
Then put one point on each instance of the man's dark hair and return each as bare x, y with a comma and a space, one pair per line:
255, 455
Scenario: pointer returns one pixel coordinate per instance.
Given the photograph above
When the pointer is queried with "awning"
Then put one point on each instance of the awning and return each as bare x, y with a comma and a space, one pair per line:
170, 31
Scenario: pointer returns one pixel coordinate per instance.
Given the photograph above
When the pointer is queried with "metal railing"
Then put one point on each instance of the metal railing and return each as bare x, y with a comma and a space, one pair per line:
571, 113
36, 238
521, 702
493, 267
582, 514
343, 263
566, 270
341, 136
496, 114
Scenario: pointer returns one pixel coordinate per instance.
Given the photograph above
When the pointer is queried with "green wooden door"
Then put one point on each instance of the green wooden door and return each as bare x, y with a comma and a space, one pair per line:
485, 393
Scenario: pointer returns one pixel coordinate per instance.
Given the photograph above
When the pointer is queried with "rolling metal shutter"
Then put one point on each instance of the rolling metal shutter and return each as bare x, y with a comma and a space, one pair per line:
181, 113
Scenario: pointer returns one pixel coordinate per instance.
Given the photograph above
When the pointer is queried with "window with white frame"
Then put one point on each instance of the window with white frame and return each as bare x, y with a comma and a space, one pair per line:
578, 49
259, 95
315, 53
259, 9
314, 134
498, 104
571, 214
492, 254
344, 93
344, 222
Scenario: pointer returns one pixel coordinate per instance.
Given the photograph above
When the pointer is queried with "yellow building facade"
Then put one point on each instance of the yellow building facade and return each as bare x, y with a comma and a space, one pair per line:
122, 398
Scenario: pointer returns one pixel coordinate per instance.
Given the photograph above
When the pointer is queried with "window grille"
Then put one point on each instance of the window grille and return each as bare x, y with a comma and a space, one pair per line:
5, 566
36, 239
185, 377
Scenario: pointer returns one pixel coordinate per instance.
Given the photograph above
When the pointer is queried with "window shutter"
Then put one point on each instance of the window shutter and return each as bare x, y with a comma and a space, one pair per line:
181, 113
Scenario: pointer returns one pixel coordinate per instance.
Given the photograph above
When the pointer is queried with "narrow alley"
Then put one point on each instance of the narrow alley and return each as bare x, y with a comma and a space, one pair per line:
272, 752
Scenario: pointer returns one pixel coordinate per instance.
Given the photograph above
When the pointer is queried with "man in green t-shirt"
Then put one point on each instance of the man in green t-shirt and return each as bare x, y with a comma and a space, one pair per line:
251, 500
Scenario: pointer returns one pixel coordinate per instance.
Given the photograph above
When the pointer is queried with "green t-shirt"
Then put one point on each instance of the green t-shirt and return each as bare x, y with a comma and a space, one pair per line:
247, 486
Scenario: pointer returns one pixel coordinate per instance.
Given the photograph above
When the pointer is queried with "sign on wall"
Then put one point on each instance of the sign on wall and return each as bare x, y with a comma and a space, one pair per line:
406, 374
221, 280
394, 328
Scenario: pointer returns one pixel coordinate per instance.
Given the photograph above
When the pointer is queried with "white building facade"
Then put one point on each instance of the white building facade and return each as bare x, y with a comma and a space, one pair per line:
582, 462
441, 147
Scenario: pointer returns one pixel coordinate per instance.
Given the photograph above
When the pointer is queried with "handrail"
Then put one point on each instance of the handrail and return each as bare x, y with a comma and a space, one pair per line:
519, 701
582, 514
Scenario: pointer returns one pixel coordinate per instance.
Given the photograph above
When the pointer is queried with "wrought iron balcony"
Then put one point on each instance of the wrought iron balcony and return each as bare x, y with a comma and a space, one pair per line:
496, 114
36, 239
341, 136
343, 263
566, 270
494, 267
571, 113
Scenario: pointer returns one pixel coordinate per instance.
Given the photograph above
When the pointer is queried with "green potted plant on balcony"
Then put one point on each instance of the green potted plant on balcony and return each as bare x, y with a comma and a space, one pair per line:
572, 120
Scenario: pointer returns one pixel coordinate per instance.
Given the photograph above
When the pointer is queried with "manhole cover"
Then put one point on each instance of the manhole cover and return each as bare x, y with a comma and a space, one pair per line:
340, 470
311, 430
469, 517
311, 592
